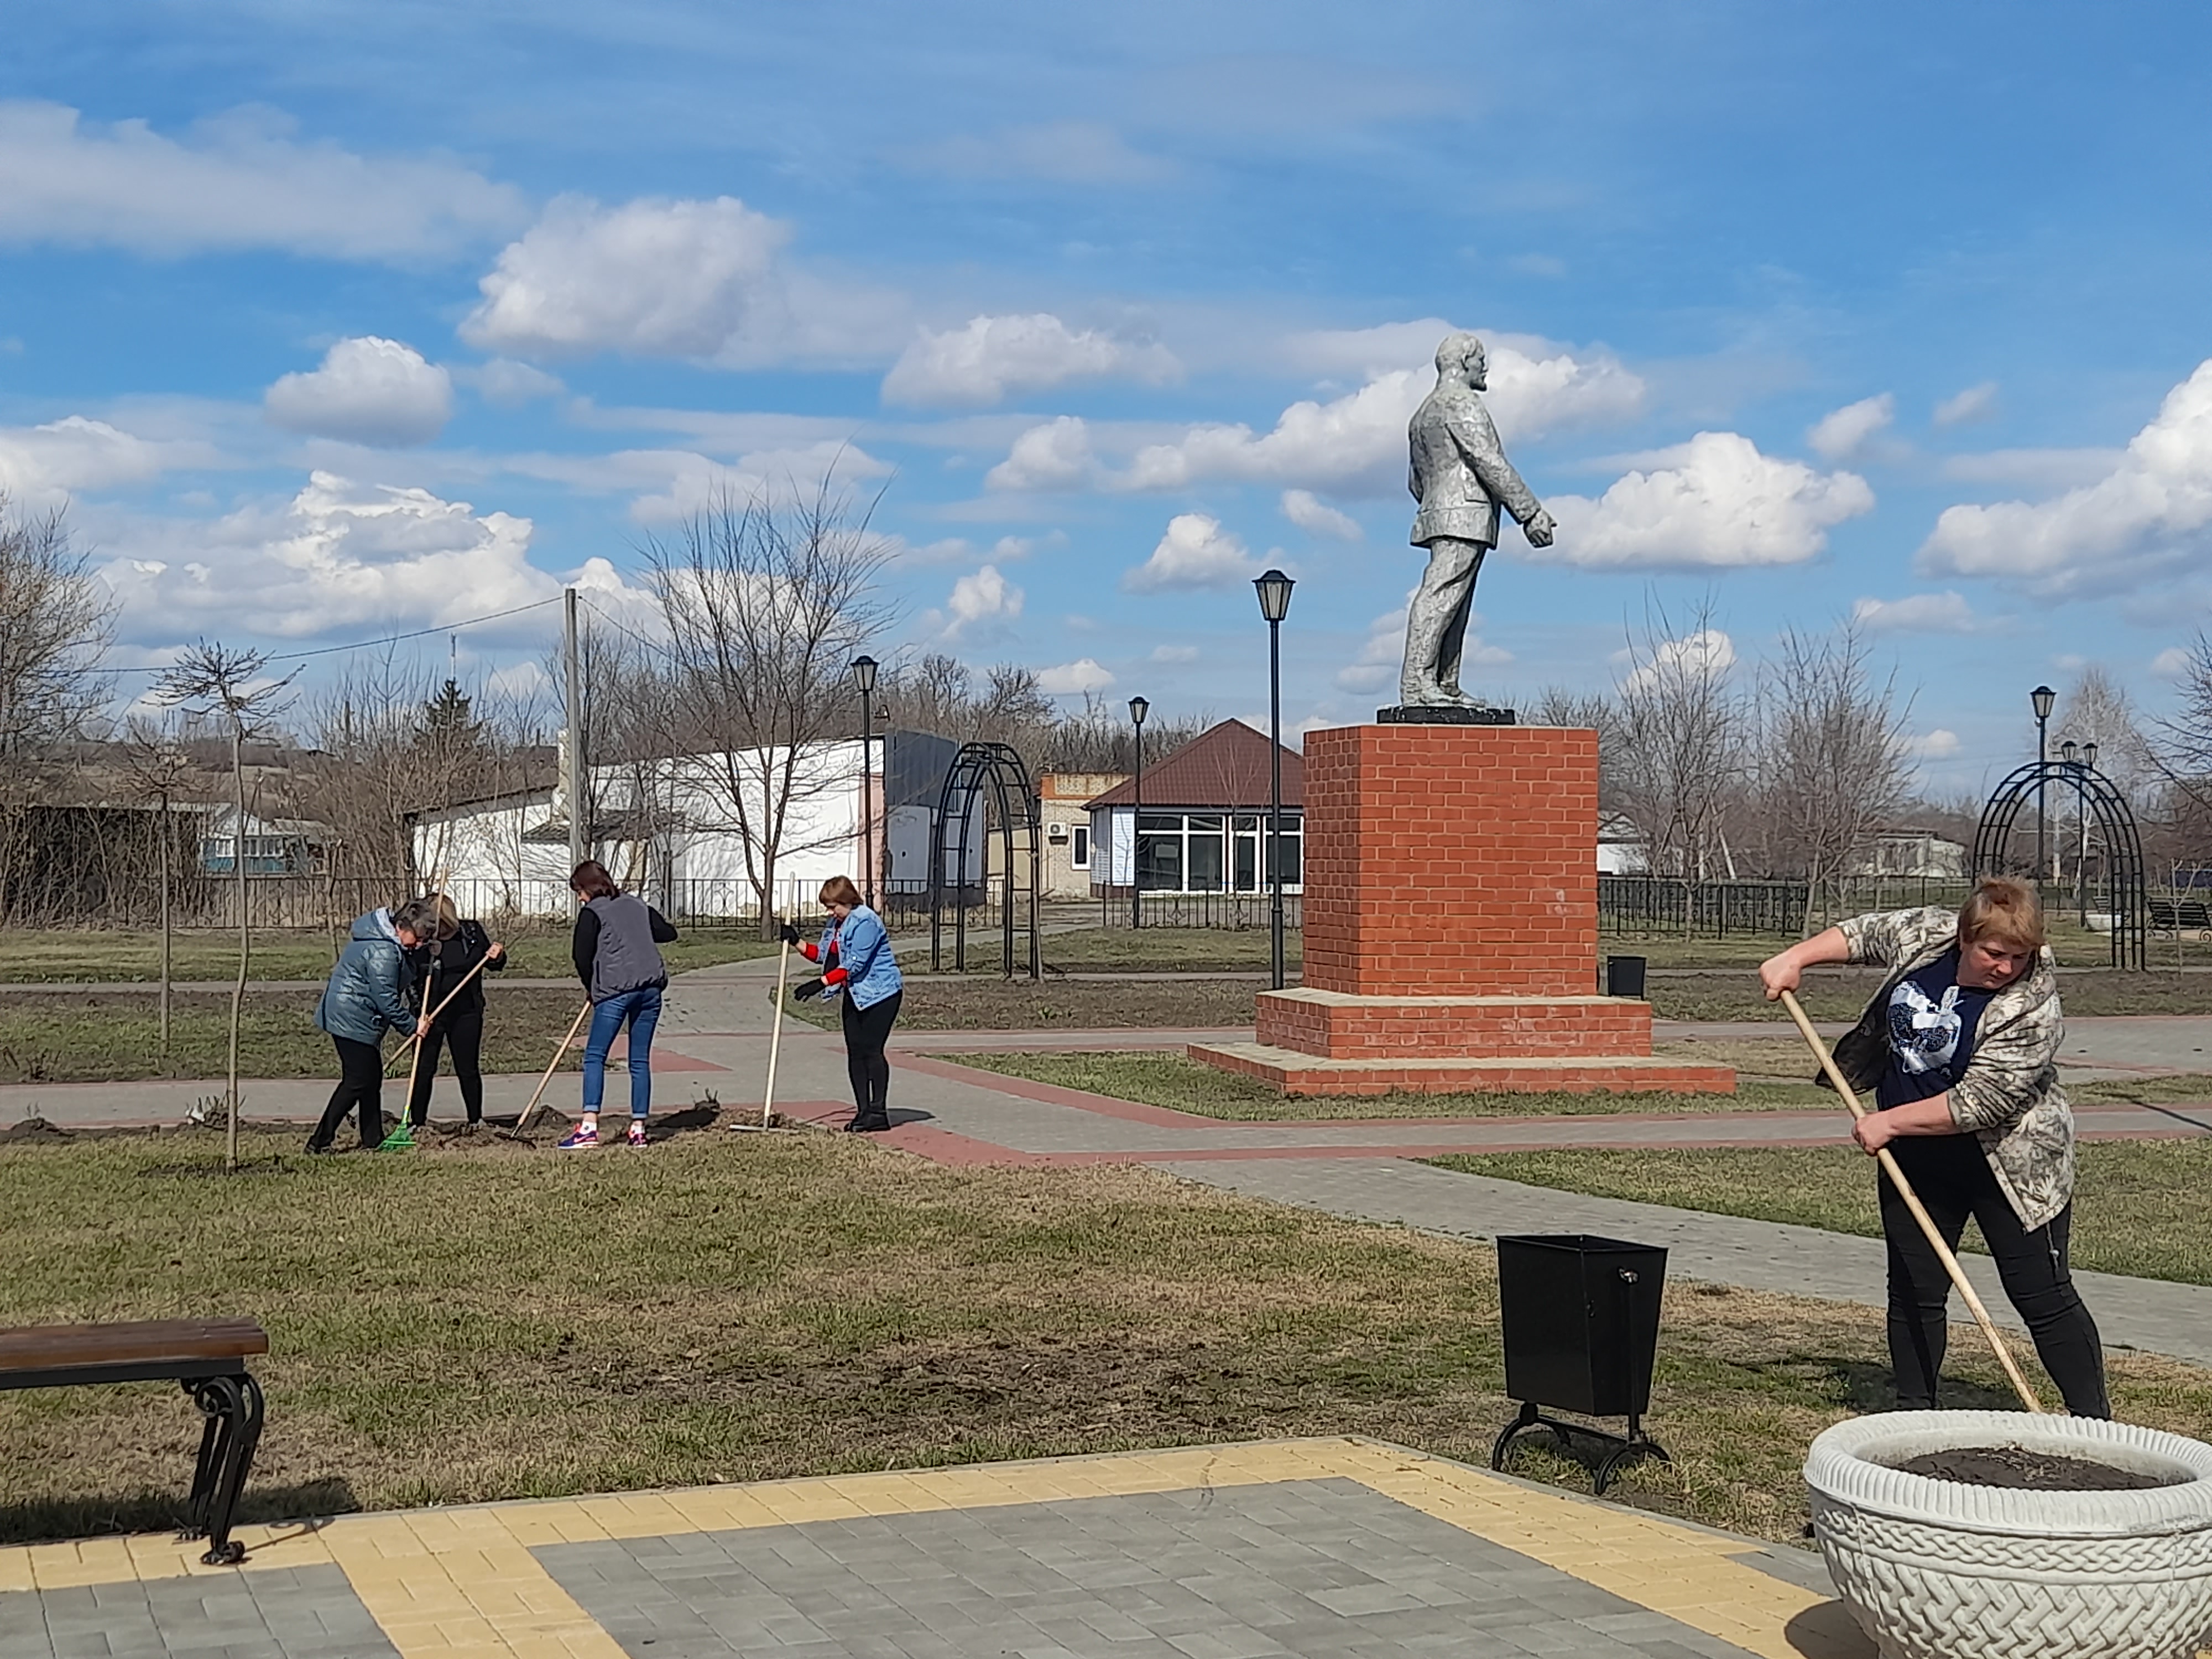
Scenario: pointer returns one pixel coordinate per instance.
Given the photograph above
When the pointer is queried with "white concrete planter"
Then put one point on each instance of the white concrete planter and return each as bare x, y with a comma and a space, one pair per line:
1942, 1570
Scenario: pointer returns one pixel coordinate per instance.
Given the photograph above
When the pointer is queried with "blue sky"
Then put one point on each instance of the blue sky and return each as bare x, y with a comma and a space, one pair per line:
334, 321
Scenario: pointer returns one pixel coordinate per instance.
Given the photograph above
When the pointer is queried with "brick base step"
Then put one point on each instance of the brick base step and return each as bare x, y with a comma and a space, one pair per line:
1338, 1026
1296, 1073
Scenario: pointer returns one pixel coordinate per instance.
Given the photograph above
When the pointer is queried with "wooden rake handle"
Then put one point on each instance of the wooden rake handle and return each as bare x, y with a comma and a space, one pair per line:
523, 1122
1943, 1251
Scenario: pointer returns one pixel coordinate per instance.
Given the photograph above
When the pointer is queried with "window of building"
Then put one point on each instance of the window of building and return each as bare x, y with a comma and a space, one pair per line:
1214, 852
1078, 851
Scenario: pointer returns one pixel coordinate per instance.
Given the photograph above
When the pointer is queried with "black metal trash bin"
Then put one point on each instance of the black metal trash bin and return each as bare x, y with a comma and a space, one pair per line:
1624, 976
1581, 1323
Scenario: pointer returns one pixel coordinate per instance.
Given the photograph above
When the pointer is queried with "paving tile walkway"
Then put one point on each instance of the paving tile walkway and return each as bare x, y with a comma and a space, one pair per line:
1319, 1549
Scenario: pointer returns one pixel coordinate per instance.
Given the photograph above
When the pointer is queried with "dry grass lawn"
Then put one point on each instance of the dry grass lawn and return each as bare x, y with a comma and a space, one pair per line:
502, 1322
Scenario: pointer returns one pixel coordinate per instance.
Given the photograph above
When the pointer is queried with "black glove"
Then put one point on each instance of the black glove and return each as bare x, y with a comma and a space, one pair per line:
808, 991
789, 933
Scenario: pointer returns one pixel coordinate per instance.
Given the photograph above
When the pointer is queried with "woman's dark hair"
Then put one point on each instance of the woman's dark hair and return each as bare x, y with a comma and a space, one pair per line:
417, 917
839, 890
592, 880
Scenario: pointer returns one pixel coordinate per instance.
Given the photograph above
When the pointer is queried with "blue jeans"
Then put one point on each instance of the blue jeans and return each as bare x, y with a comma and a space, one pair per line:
640, 1010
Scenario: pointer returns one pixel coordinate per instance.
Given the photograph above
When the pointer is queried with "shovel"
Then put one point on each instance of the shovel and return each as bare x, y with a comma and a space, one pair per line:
1912, 1203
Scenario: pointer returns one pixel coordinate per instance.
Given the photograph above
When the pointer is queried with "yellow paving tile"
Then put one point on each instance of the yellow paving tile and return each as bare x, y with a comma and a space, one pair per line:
15, 1572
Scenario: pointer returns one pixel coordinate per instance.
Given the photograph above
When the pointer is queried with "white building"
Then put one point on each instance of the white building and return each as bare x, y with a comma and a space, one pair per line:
689, 832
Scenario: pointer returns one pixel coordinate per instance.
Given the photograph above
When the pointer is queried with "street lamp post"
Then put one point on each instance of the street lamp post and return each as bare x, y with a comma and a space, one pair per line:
863, 676
1273, 588
1138, 709
2041, 699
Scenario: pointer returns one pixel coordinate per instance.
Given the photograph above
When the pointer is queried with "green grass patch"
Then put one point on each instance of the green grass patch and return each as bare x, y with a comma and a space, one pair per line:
984, 1002
29, 956
498, 1323
1184, 1084
114, 1036
1839, 993
2138, 1205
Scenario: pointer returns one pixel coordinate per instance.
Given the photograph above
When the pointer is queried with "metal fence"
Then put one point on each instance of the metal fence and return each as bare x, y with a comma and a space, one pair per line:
278, 903
1231, 912
1654, 904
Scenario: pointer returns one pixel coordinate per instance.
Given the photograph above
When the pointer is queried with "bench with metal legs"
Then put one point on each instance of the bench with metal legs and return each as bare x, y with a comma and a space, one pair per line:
207, 1358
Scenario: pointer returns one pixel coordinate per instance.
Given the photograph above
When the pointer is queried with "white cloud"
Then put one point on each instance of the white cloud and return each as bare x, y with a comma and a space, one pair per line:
1195, 552
671, 484
1054, 456
1355, 442
992, 356
2147, 519
1316, 517
982, 601
659, 278
338, 554
1939, 744
1073, 678
1975, 403
1916, 613
241, 181
1706, 654
1851, 431
1175, 653
2172, 663
368, 391
40, 466
509, 384
1715, 501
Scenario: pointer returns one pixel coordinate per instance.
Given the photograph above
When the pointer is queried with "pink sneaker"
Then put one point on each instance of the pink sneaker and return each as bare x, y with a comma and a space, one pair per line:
583, 1135
637, 1136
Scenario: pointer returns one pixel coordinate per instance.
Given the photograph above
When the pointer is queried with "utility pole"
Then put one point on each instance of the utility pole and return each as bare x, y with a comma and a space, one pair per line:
577, 830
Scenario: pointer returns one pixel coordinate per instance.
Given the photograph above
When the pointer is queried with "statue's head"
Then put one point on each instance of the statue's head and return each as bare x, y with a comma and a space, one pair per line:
1460, 360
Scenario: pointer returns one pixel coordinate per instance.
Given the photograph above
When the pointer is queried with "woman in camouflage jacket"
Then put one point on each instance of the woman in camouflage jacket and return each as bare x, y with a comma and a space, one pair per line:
1960, 1047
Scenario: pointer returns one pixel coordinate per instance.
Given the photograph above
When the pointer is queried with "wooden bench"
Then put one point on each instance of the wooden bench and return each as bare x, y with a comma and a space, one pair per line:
2180, 916
207, 1356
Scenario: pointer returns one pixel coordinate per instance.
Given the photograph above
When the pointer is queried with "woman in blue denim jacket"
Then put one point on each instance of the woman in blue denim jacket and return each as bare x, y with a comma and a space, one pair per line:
862, 970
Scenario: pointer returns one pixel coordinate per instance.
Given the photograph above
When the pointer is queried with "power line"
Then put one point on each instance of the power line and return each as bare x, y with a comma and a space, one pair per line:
357, 645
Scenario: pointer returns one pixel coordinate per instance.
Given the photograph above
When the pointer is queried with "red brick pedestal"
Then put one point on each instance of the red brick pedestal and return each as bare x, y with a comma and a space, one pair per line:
1451, 925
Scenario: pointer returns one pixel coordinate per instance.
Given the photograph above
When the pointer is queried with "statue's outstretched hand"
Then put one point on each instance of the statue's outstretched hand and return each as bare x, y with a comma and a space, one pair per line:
1539, 529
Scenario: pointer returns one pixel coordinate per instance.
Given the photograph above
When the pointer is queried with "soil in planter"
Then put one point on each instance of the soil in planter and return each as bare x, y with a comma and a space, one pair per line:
2023, 1470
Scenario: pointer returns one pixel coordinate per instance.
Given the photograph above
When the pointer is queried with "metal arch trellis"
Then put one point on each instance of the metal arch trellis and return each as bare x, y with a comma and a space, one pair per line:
1014, 800
2126, 900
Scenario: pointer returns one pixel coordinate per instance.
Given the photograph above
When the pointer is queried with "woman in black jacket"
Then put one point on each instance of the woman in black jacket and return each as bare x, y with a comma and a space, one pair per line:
460, 946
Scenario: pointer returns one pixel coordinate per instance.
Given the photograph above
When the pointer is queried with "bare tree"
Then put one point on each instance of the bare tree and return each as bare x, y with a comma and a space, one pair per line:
160, 771
55, 617
1833, 765
1681, 726
766, 604
232, 684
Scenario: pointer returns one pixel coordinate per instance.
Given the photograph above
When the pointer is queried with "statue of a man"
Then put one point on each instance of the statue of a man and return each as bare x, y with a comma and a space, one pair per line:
1462, 479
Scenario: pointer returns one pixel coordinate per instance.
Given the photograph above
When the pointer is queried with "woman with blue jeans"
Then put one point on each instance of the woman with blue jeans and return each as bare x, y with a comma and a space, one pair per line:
618, 955
860, 967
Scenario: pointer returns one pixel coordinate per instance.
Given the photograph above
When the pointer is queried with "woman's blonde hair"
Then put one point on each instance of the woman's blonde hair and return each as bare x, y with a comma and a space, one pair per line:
839, 890
2002, 909
449, 916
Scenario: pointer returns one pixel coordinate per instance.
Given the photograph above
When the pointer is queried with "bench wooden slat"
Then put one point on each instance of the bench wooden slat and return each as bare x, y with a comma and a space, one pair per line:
144, 1342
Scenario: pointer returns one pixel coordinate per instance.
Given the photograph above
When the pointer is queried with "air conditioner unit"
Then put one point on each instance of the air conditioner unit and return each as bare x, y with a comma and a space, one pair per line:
1055, 832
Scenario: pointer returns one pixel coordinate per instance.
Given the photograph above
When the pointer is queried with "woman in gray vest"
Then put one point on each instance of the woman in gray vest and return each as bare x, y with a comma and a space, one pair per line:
618, 955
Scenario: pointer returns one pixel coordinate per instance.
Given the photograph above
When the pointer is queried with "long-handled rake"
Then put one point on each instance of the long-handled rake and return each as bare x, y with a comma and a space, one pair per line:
1943, 1251
552, 1066
775, 1047
403, 1135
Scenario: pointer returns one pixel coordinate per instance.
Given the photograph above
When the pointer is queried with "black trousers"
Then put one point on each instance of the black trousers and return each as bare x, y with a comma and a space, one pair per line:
1953, 1179
460, 1029
866, 1031
360, 1084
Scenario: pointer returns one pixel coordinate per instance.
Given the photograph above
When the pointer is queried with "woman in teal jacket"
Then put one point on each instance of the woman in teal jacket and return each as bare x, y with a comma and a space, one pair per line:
367, 996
